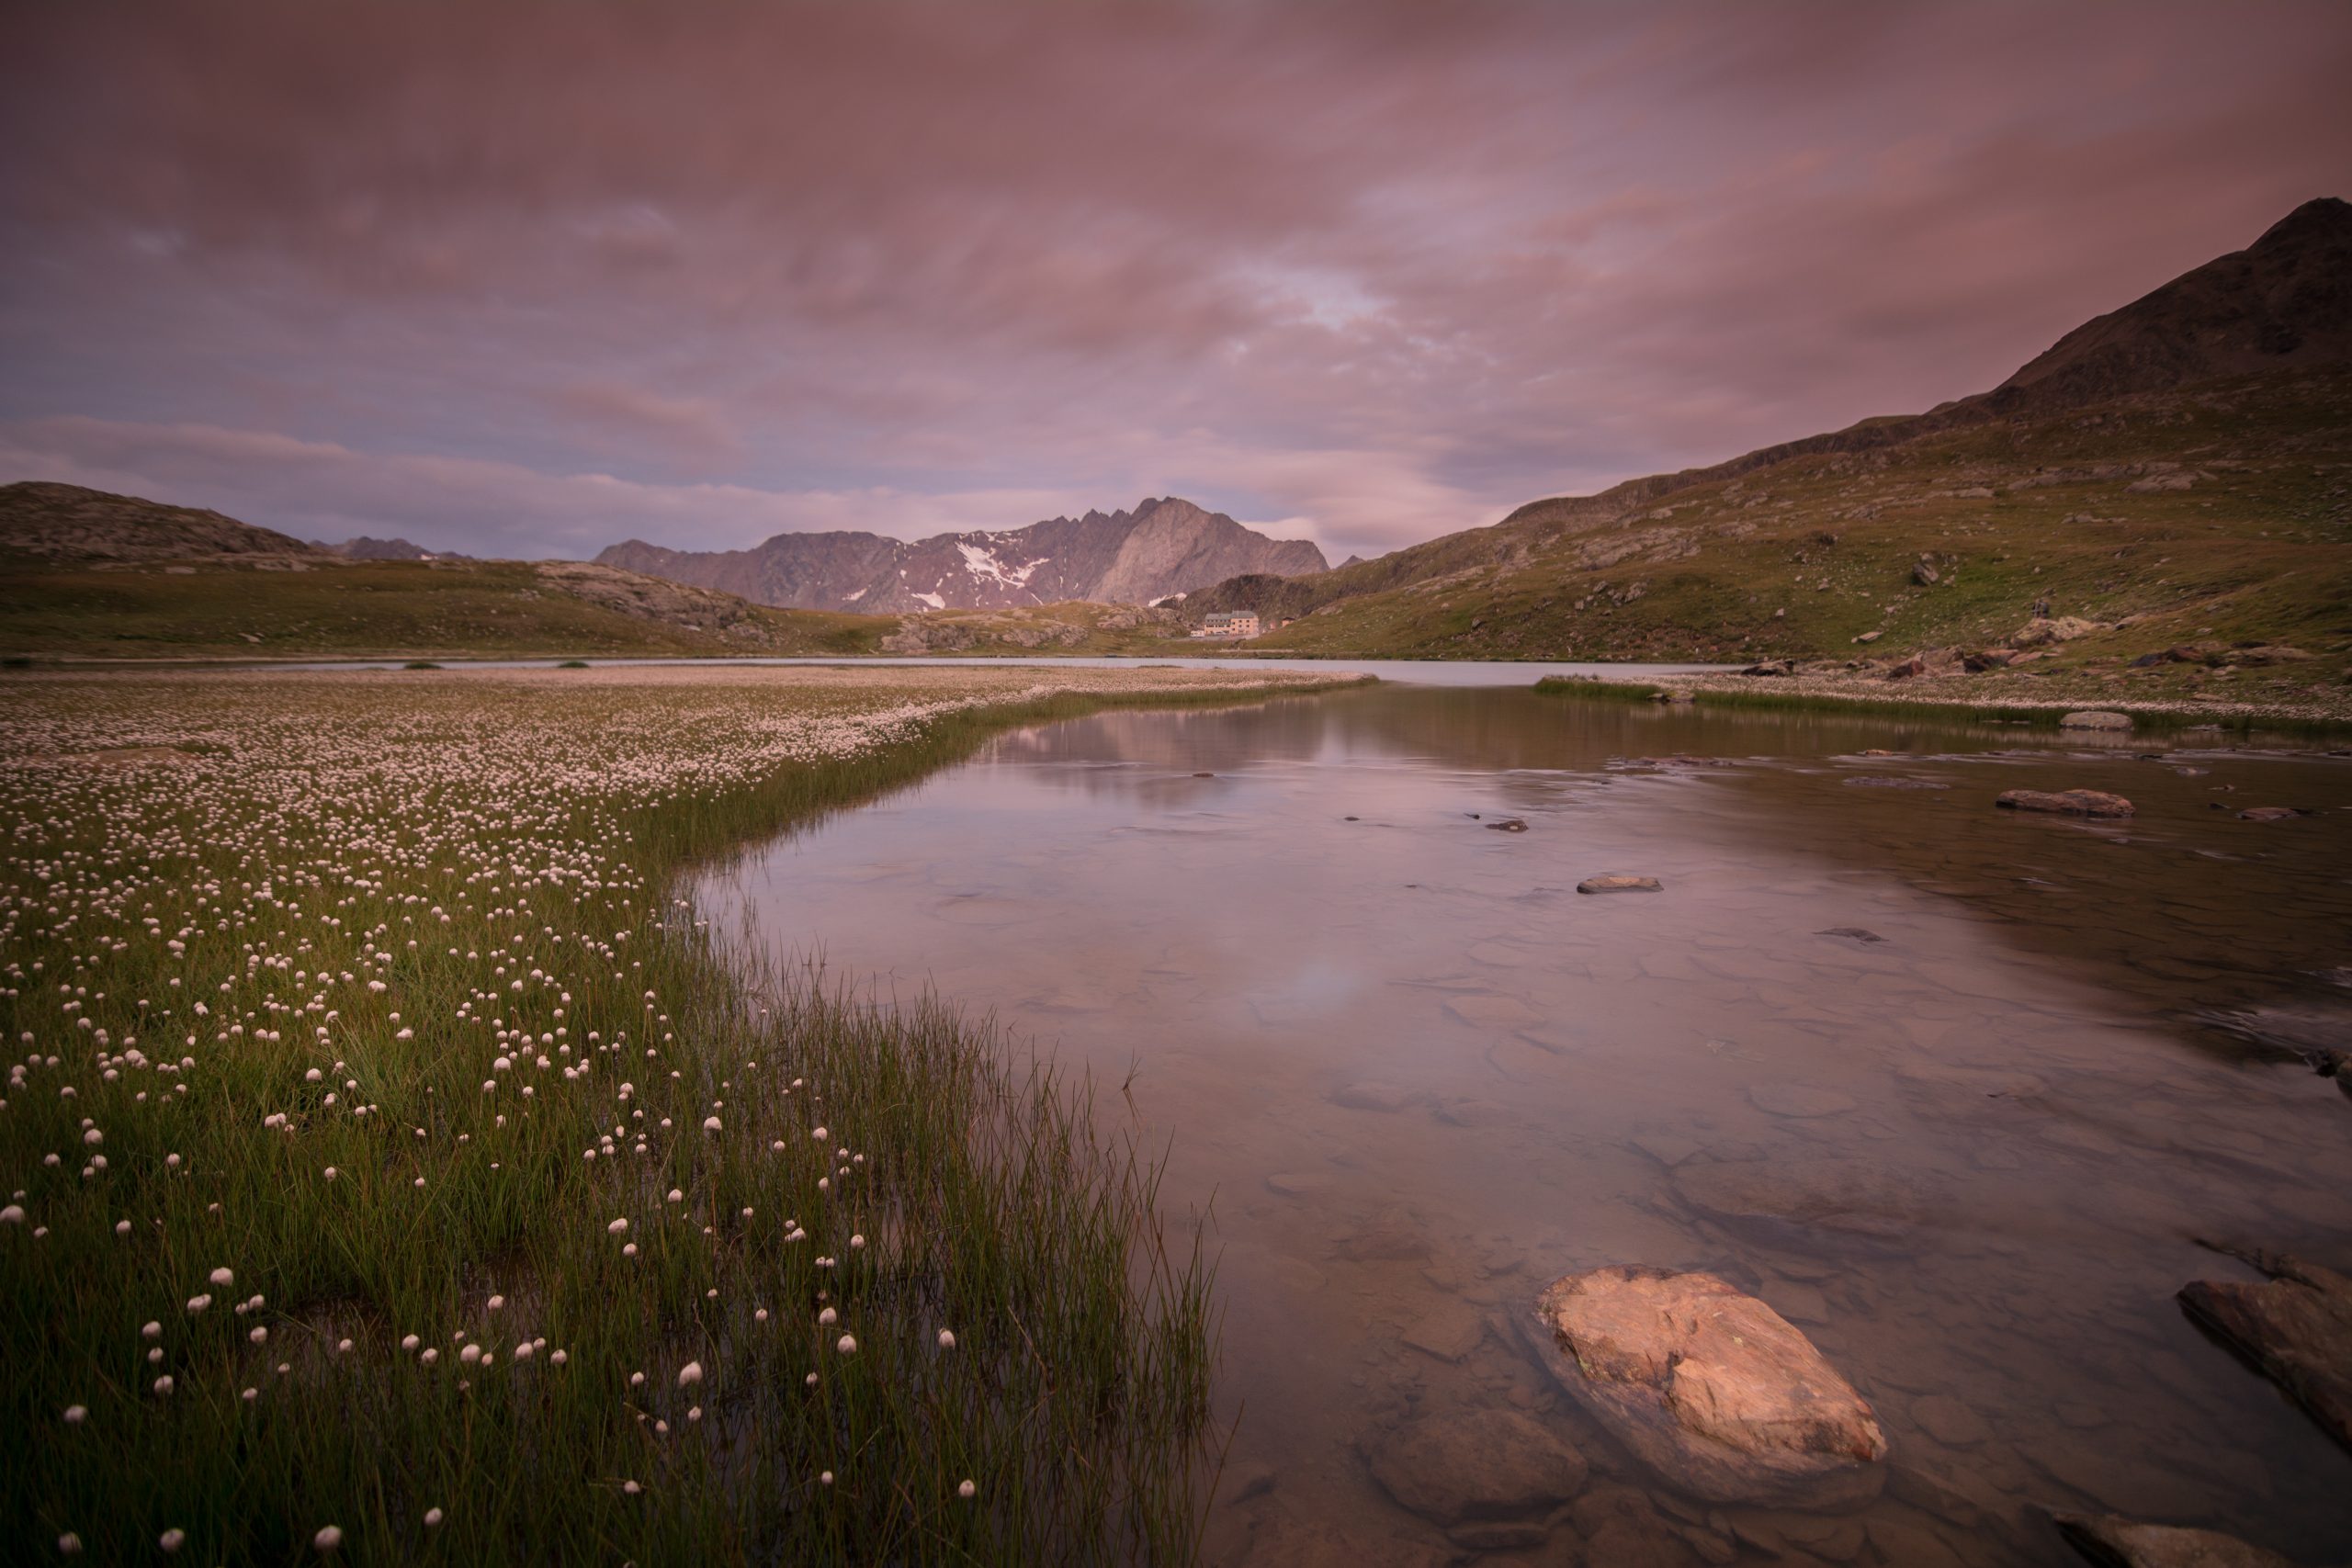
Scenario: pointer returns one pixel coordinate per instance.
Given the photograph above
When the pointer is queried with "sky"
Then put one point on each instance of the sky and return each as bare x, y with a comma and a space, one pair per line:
529, 278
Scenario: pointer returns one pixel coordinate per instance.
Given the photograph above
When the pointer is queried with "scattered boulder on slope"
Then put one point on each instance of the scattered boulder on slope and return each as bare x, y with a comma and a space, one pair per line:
1711, 1388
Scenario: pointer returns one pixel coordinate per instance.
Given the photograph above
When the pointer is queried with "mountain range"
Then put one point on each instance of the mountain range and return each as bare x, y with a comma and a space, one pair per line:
1163, 549
2230, 382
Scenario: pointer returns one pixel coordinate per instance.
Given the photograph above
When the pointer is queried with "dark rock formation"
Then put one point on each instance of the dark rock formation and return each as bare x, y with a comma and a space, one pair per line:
2297, 1327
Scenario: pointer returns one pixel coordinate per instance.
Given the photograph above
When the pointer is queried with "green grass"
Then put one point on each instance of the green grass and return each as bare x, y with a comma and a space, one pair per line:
376, 609
506, 857
2259, 549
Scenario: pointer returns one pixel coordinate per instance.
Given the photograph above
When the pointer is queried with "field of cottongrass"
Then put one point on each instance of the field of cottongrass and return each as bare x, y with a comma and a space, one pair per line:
394, 1169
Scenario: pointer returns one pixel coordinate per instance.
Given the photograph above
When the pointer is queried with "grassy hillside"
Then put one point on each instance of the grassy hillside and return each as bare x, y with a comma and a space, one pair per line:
2215, 515
320, 606
254, 606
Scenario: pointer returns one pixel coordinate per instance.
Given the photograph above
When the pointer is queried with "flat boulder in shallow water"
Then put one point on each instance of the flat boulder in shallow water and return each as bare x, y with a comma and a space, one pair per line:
2067, 802
1481, 1464
1620, 885
2095, 718
2115, 1542
2296, 1327
1711, 1388
1786, 1202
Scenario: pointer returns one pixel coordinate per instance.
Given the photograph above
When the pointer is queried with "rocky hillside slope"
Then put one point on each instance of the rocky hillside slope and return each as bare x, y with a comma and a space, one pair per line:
2179, 465
1161, 548
60, 521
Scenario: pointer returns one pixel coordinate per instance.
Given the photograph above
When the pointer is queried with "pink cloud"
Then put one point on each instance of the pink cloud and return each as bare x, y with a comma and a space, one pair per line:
1382, 269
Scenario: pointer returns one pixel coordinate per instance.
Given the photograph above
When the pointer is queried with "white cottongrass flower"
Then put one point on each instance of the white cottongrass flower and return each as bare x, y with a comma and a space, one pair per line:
151, 1331
847, 1344
76, 1414
69, 1545
820, 1135
495, 1302
433, 1517
328, 1538
163, 1384
329, 1173
407, 1341
430, 1356
470, 1355
197, 1303
14, 1214
948, 1339
964, 1489
172, 1540
559, 1357
710, 1124
224, 1277
829, 1316
690, 1373
631, 1488
618, 1227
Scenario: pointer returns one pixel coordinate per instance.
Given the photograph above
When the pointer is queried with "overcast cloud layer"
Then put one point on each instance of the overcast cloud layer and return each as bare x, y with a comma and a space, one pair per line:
529, 279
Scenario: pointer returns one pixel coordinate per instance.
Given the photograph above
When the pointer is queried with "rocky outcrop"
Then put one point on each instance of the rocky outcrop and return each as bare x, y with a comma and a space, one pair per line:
2115, 1542
2296, 1327
652, 599
1709, 1387
69, 522
1163, 547
2065, 801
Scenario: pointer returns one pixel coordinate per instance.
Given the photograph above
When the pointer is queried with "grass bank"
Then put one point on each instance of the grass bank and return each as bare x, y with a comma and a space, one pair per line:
393, 1162
1776, 695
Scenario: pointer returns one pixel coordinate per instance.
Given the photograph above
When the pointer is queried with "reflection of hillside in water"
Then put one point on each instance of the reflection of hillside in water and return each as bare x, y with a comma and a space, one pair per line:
2197, 915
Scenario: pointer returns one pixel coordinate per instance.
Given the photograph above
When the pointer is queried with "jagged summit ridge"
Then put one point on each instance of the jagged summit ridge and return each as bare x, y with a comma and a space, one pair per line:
1166, 546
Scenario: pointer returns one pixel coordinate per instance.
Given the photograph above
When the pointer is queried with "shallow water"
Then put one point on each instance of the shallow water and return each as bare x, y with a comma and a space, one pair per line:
2061, 1065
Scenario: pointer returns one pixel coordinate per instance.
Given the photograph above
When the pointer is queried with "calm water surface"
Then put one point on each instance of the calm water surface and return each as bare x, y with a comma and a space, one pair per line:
1413, 1076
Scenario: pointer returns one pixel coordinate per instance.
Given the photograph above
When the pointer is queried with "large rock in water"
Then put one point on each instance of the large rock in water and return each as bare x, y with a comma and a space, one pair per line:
2065, 801
2297, 1326
2120, 1543
1798, 1201
1711, 1389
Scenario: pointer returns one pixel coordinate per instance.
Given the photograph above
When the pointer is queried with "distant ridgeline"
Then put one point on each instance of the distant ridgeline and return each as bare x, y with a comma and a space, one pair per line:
1163, 549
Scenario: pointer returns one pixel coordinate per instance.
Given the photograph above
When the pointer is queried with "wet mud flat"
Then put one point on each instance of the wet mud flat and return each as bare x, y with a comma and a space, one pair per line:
1956, 1093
